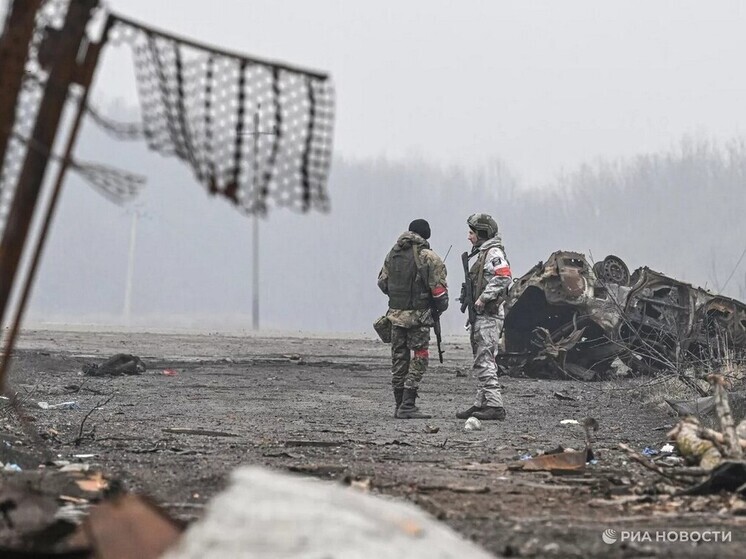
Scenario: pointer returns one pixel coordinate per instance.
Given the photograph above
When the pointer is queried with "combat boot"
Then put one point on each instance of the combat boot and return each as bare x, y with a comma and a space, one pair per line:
490, 413
408, 410
398, 394
466, 414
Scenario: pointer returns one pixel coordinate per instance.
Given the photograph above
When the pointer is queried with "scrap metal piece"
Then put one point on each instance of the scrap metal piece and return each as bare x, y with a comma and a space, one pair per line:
563, 462
612, 269
127, 527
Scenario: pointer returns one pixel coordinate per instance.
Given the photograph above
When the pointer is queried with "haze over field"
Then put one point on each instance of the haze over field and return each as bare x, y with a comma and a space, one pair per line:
610, 128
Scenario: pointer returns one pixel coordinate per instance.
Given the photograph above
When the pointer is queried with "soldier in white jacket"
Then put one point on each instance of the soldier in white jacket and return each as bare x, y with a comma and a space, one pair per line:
490, 278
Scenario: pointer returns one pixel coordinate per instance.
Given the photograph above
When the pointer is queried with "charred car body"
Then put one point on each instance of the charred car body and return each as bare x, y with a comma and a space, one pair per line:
566, 317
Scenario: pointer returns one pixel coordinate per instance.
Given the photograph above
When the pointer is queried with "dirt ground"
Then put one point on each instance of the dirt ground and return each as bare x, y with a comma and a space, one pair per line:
324, 407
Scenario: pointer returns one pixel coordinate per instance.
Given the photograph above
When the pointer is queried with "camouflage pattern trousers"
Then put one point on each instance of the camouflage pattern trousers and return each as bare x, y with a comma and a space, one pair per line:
485, 334
407, 370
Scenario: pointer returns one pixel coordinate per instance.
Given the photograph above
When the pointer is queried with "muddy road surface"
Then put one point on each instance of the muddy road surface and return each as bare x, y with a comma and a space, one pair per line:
324, 408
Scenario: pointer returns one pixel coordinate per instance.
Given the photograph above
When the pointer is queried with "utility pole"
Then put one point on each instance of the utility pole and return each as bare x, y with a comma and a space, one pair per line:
127, 311
256, 133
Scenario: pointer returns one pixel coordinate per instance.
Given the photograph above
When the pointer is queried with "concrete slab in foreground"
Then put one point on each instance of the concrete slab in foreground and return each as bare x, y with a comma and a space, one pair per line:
271, 515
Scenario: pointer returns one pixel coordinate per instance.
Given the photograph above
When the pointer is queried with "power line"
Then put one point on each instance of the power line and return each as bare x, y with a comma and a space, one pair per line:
734, 269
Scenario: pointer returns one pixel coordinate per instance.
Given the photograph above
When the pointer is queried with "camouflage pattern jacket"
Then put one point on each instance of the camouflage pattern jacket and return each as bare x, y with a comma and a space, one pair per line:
436, 272
497, 276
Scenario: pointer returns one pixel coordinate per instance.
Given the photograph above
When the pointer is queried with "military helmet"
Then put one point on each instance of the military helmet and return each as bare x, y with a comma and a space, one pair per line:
483, 225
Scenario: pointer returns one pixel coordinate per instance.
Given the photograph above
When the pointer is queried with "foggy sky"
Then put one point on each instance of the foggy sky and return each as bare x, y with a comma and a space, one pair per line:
443, 109
544, 84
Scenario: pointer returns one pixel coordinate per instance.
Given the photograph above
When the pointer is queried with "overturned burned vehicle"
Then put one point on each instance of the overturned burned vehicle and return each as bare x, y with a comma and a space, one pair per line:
568, 318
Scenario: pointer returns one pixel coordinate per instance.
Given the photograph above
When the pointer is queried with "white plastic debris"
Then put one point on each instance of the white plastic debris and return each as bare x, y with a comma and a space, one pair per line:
473, 424
12, 468
75, 467
569, 422
668, 447
60, 406
671, 461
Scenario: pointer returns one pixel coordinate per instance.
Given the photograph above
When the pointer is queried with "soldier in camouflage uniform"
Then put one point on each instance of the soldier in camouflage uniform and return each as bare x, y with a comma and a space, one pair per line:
491, 278
414, 278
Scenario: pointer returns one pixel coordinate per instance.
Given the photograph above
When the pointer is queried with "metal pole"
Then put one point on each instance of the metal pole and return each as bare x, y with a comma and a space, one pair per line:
258, 211
14, 48
91, 61
255, 236
34, 168
130, 269
255, 276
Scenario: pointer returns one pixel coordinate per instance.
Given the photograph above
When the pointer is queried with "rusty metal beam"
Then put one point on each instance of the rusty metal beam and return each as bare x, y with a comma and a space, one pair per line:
14, 48
61, 74
87, 70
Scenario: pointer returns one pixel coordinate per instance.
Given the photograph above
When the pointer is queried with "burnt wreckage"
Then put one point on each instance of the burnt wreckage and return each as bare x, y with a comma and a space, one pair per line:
568, 318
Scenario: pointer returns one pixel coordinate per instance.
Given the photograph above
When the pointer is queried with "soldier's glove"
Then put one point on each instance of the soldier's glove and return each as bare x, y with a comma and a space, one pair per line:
441, 303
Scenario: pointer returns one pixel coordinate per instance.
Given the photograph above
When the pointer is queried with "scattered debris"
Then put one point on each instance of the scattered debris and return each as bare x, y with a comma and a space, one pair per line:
431, 429
705, 406
569, 422
283, 454
205, 432
77, 467
318, 443
330, 470
60, 406
455, 488
562, 396
395, 442
473, 424
117, 365
727, 422
127, 526
491, 467
93, 483
670, 461
364, 485
727, 476
555, 463
81, 435
170, 372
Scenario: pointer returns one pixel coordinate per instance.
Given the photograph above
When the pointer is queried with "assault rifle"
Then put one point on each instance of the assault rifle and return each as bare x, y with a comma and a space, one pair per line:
467, 290
436, 319
434, 312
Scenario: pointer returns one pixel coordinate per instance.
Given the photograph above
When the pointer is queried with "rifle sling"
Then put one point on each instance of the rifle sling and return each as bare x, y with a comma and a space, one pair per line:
418, 263
420, 273
480, 274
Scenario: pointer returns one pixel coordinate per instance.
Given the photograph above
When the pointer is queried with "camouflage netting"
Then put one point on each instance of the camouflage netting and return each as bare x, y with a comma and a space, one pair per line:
52, 15
113, 183
256, 132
